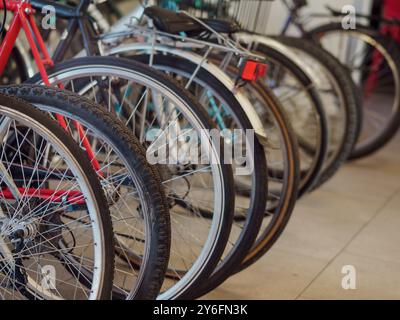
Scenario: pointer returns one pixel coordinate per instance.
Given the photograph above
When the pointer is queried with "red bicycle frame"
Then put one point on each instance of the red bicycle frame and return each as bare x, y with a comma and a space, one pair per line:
23, 19
72, 196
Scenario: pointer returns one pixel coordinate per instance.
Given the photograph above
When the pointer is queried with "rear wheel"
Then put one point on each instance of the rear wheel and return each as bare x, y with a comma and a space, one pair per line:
300, 100
374, 63
251, 188
341, 101
283, 171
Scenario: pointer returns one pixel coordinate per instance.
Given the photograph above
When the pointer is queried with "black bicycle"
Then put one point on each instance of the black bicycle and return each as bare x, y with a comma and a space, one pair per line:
372, 57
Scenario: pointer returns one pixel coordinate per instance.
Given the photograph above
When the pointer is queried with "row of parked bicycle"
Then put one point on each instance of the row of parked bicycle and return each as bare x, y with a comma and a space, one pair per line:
169, 153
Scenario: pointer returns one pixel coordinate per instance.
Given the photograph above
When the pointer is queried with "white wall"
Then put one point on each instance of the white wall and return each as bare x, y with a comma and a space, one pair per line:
272, 15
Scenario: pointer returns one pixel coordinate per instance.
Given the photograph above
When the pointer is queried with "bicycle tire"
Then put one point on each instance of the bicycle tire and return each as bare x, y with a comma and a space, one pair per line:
267, 236
280, 59
91, 180
390, 51
351, 103
255, 212
86, 112
282, 213
221, 229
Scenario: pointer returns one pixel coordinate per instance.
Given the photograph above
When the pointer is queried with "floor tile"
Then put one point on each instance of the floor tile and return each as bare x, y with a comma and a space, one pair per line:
324, 222
381, 238
375, 279
278, 275
354, 219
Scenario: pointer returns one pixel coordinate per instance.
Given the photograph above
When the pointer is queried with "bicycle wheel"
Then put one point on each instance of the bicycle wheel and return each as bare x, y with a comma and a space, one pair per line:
374, 63
341, 101
282, 158
299, 97
45, 253
283, 170
137, 203
163, 113
227, 113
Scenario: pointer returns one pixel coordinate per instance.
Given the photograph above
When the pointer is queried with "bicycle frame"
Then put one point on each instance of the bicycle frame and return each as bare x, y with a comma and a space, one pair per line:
23, 19
78, 21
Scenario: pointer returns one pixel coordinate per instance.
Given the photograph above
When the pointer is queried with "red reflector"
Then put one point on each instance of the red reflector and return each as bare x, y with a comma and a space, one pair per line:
252, 70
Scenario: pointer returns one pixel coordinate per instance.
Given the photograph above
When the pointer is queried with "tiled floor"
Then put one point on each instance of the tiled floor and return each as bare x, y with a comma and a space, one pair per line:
352, 220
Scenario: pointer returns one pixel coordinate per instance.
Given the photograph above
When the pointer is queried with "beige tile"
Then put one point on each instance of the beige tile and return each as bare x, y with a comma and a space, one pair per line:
375, 279
353, 219
278, 275
323, 223
366, 182
373, 177
381, 238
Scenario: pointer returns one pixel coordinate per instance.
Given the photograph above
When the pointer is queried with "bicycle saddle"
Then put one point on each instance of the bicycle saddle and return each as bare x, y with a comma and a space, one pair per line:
176, 22
170, 21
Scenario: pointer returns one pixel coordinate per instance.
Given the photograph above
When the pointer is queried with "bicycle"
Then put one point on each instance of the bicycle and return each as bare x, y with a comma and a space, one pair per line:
373, 60
178, 67
134, 194
47, 185
257, 199
337, 93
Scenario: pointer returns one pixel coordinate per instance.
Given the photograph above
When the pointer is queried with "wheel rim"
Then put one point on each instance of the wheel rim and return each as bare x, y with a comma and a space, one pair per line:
46, 226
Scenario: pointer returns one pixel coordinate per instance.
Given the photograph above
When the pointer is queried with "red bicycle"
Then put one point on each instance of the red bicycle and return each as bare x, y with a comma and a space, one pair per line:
47, 187
23, 19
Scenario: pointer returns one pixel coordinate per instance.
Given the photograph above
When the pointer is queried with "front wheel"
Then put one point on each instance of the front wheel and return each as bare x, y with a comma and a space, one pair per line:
55, 223
137, 204
164, 117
